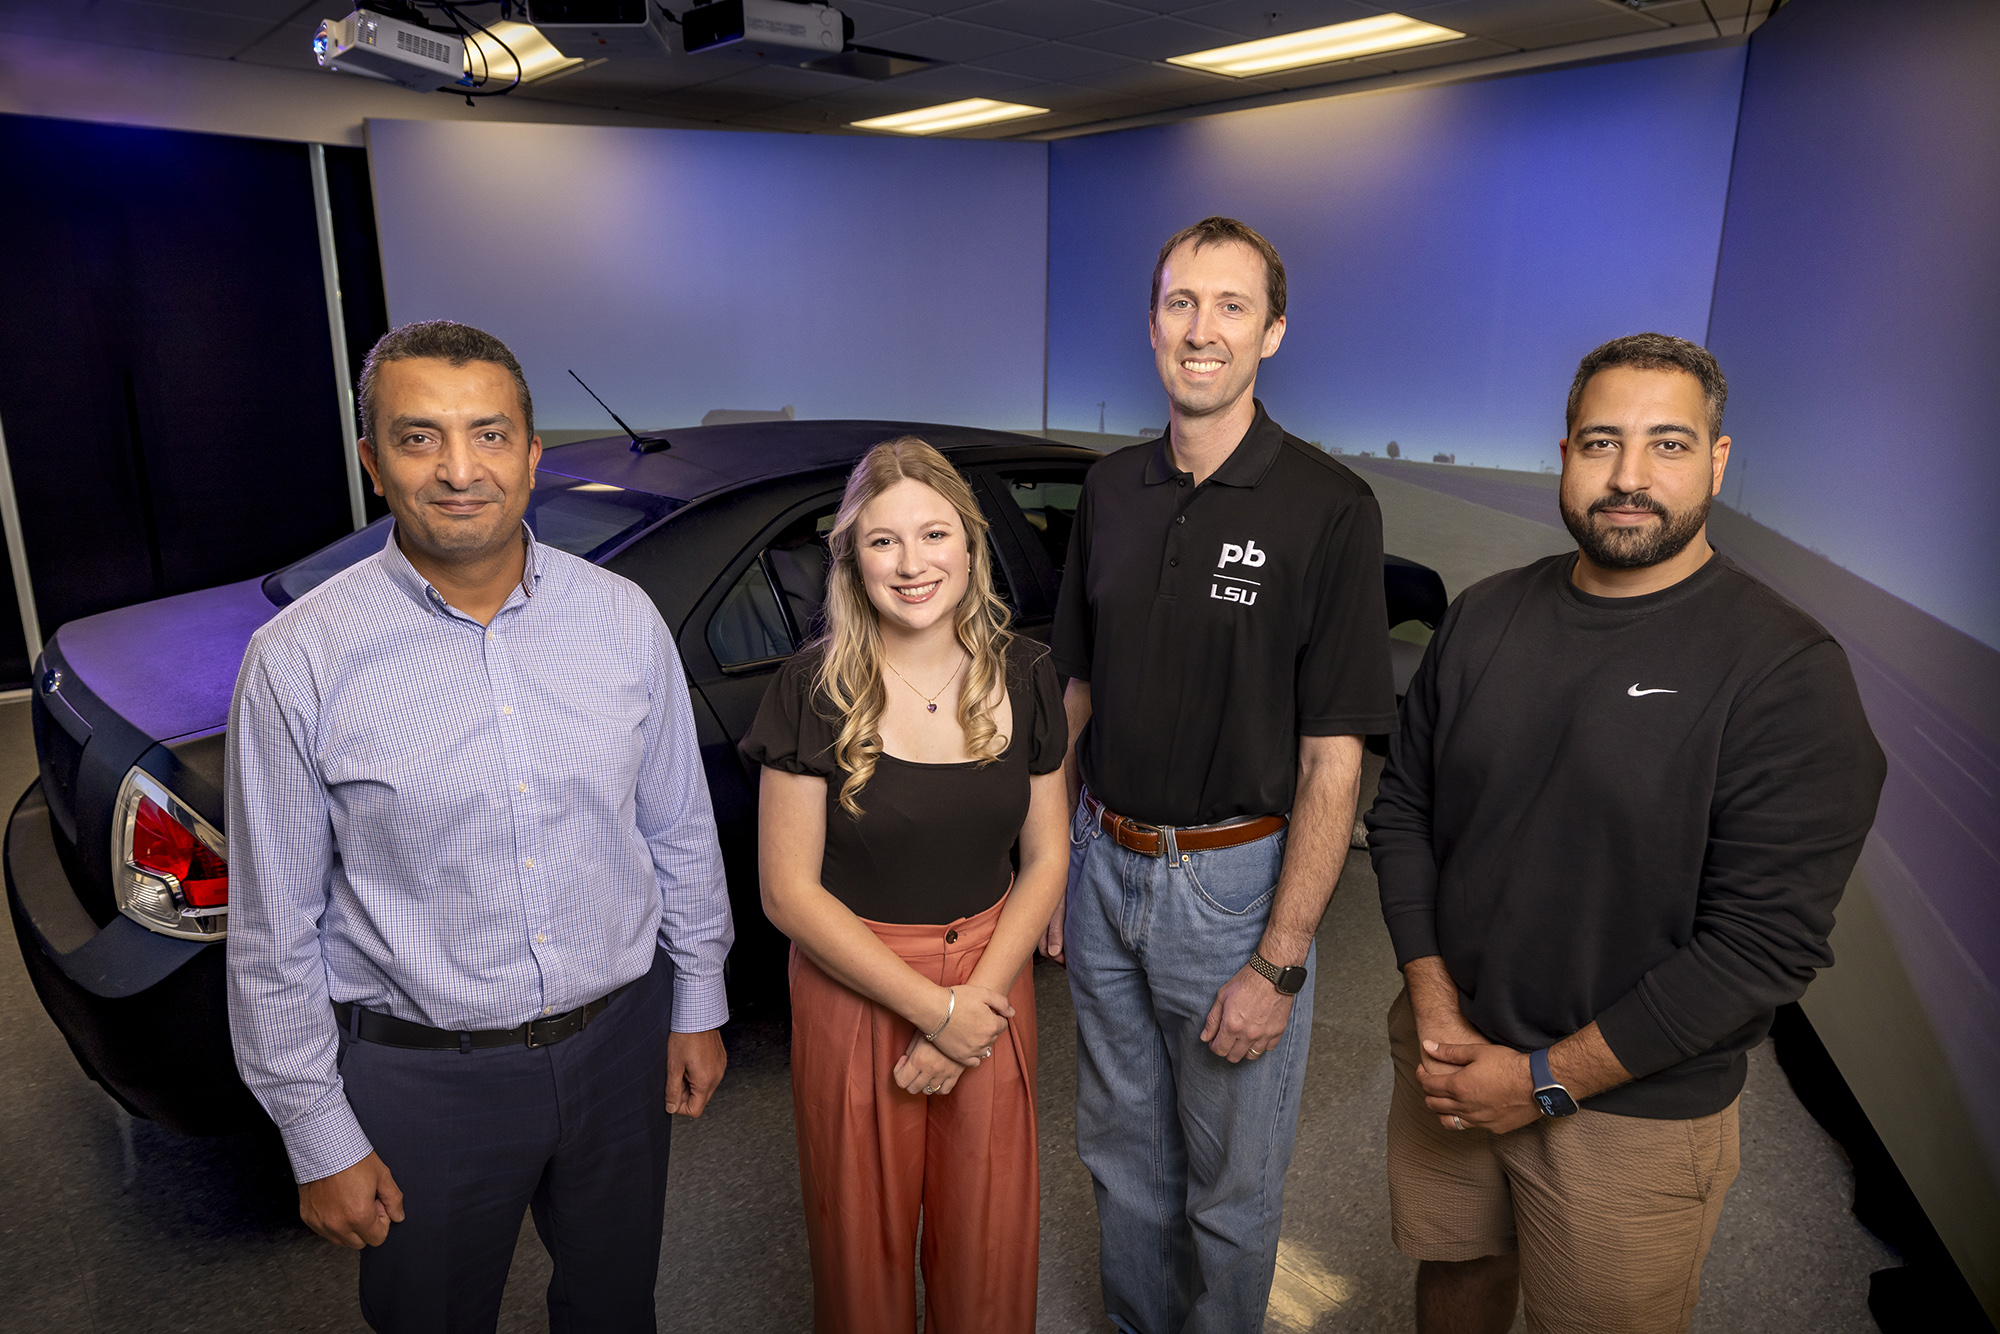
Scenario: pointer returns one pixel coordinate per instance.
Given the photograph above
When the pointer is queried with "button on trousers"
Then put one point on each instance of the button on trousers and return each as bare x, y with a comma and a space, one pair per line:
874, 1159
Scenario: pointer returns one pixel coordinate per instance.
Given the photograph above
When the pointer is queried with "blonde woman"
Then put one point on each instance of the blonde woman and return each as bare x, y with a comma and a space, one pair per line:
904, 755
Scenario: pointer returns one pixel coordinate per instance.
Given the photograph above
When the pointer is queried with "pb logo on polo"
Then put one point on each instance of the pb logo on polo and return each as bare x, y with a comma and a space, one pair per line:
1247, 554
1234, 588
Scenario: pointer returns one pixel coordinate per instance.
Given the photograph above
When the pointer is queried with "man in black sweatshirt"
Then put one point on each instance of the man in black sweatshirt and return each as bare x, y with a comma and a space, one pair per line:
1628, 790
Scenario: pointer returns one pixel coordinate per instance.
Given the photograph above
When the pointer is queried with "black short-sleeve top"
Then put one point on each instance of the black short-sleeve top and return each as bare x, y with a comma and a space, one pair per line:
932, 842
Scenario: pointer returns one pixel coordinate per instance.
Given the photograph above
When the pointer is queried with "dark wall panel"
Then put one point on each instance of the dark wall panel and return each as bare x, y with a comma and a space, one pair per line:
166, 377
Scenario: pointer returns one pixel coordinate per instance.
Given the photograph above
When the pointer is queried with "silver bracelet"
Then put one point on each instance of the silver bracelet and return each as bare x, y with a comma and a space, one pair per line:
948, 1009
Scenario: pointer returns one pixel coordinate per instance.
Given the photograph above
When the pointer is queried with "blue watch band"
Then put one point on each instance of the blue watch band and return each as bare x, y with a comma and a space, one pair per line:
1538, 1069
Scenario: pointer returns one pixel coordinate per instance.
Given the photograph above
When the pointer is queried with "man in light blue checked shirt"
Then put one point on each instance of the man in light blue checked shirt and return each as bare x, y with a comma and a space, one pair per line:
478, 915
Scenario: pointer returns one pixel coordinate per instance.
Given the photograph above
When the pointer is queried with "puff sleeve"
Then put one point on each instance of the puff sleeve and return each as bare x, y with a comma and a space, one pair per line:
1051, 730
789, 733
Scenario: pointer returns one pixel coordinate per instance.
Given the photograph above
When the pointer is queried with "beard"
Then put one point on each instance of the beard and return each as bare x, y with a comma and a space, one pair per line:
1632, 548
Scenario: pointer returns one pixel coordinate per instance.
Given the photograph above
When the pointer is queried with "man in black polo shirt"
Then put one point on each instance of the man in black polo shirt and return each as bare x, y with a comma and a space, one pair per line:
1629, 787
1222, 625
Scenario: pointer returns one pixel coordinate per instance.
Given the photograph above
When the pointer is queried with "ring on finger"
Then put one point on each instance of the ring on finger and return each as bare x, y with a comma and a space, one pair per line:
1254, 1053
1457, 1124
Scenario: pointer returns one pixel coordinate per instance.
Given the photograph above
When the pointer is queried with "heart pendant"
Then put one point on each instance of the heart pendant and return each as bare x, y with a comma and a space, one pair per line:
931, 707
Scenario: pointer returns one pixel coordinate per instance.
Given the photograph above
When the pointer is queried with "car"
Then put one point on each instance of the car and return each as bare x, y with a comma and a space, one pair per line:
117, 857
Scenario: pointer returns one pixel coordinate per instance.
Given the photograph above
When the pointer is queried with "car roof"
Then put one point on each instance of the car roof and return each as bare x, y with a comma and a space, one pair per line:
707, 459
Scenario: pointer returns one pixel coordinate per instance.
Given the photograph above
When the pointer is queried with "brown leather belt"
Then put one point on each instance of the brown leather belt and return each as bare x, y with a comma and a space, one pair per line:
1154, 840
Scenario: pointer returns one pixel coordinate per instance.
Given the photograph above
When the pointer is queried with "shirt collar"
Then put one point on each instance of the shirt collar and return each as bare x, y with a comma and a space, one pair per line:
404, 575
1246, 465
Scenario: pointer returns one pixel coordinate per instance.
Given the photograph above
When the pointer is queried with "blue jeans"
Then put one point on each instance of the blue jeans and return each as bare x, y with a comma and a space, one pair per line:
1186, 1151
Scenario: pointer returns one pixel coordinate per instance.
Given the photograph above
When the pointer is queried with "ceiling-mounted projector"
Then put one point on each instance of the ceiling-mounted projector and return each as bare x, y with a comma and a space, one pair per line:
766, 29
386, 48
593, 28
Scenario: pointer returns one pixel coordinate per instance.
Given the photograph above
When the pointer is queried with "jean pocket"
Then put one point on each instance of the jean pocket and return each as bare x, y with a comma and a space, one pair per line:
1237, 881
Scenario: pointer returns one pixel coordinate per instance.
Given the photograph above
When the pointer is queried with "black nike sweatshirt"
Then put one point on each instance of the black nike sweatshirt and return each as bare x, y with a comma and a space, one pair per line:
1640, 811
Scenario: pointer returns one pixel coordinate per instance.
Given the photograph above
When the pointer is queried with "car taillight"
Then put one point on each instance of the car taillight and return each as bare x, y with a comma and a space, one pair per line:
170, 866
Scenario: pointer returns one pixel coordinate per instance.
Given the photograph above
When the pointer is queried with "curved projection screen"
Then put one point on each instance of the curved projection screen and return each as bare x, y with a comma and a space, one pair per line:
681, 271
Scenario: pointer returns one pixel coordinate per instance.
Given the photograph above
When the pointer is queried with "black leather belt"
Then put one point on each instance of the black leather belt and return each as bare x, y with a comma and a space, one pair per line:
389, 1031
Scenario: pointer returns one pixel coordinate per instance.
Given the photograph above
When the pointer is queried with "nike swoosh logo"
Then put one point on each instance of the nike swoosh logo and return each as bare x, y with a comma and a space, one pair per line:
1634, 691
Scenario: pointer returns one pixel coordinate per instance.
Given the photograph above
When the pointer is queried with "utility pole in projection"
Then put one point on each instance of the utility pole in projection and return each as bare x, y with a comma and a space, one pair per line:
1100, 419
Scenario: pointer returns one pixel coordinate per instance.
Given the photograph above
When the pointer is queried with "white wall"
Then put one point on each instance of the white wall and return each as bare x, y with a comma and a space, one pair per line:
683, 270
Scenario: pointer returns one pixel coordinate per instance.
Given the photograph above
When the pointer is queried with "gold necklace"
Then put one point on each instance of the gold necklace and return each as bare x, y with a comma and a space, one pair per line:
930, 701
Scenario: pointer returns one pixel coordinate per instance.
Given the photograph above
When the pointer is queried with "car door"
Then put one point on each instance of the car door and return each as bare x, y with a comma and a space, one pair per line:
1035, 504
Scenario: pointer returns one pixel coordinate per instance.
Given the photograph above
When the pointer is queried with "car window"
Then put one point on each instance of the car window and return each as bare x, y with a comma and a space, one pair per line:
585, 519
1047, 498
748, 627
774, 605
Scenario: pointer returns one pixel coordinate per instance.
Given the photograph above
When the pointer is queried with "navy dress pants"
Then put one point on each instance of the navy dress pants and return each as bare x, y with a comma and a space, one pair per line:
577, 1132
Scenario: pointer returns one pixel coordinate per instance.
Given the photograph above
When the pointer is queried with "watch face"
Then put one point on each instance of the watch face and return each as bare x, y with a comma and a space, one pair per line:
1555, 1101
1292, 980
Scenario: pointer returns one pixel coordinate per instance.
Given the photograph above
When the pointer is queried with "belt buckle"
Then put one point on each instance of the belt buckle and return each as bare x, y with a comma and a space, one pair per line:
532, 1044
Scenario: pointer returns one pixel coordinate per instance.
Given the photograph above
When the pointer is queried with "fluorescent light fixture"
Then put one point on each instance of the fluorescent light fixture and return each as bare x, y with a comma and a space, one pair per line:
950, 116
1316, 46
539, 59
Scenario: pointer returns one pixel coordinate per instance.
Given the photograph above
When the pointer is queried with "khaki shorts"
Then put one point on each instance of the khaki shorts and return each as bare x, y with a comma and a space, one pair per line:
1612, 1215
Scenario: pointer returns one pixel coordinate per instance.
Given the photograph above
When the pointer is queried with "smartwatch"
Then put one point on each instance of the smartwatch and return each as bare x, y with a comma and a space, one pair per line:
1289, 981
1552, 1097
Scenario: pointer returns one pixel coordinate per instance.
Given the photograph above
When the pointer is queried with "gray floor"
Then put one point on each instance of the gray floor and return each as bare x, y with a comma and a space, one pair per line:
108, 1224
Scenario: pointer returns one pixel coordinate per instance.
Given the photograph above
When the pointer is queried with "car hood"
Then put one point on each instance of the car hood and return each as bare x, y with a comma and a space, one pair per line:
168, 667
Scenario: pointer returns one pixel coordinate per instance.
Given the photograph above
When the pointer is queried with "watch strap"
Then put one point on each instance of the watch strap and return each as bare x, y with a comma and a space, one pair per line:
1539, 1075
1269, 971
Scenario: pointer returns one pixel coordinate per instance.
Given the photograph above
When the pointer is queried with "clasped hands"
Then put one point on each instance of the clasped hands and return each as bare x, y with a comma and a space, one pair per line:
1469, 1081
979, 1016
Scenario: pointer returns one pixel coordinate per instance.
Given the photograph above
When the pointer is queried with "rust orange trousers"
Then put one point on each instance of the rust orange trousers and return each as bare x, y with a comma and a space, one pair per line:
874, 1159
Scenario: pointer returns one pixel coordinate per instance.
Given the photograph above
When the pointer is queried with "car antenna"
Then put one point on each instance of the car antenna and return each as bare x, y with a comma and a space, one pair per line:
641, 444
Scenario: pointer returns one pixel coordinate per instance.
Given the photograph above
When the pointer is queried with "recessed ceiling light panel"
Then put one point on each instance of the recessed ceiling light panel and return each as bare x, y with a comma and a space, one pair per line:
1316, 46
950, 116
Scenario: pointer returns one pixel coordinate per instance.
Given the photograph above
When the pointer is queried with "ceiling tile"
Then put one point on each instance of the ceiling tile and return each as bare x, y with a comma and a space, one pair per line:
1169, 83
130, 23
1048, 18
1247, 20
948, 83
1611, 24
949, 39
1156, 39
1500, 18
1056, 60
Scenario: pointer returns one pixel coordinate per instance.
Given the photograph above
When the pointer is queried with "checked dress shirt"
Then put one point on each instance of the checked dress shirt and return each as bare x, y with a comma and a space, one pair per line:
460, 825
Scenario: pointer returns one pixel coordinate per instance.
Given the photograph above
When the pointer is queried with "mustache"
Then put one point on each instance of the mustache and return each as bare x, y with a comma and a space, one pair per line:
1627, 500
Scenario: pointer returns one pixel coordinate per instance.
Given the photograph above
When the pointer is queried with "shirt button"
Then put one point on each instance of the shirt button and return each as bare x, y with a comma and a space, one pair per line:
506, 708
540, 938
489, 634
1174, 561
548, 1009
1181, 482
531, 863
520, 787
1180, 518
